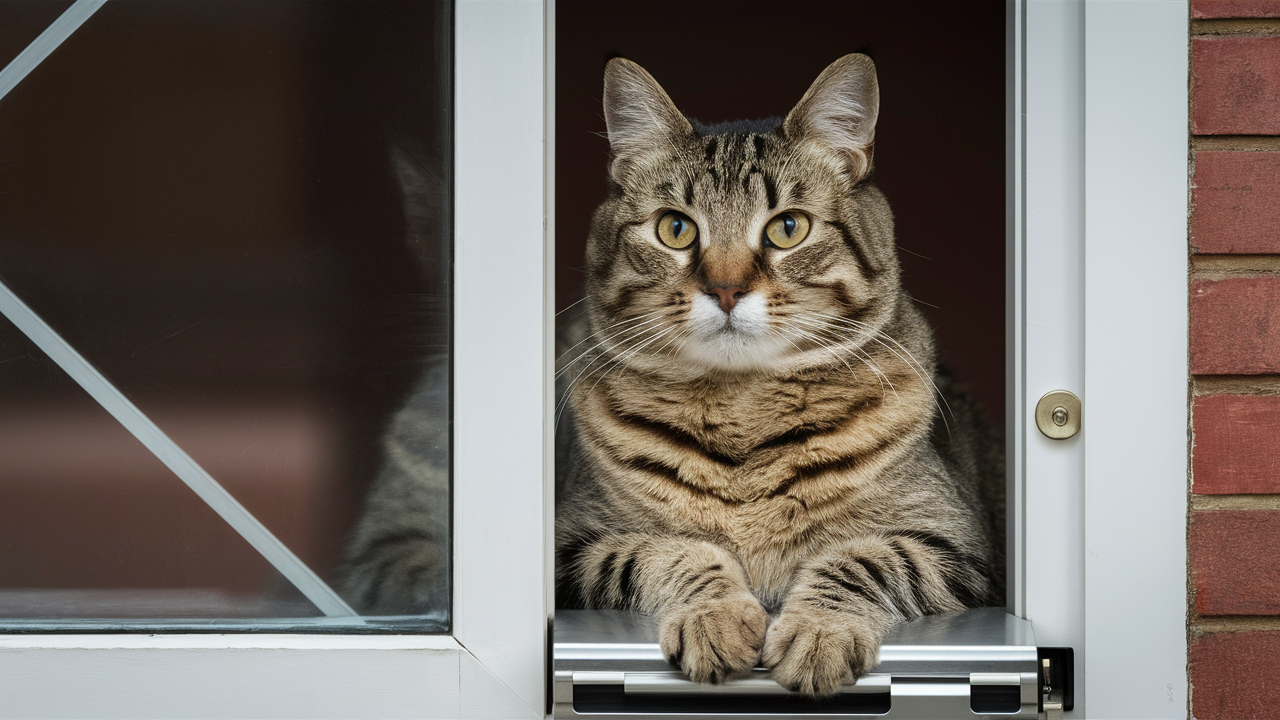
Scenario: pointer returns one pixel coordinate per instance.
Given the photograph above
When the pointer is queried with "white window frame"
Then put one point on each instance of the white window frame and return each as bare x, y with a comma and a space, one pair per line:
1099, 275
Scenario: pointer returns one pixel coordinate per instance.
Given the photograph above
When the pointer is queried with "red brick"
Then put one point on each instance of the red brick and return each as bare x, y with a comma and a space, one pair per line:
1235, 86
1235, 326
1233, 561
1235, 8
1237, 445
1235, 676
1235, 199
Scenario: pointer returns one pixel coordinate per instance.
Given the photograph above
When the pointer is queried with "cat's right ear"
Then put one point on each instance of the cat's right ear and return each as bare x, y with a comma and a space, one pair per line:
638, 114
839, 112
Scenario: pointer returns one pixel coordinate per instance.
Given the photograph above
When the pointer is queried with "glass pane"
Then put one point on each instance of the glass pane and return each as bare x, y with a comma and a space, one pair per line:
93, 525
239, 213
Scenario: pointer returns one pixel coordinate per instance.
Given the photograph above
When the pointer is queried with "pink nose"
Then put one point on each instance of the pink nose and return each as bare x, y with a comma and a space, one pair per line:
728, 295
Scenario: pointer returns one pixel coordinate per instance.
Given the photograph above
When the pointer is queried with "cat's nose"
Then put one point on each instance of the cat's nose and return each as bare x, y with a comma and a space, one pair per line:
727, 294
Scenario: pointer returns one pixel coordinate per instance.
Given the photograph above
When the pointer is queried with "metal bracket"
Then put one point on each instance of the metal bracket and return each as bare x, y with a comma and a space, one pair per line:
1057, 686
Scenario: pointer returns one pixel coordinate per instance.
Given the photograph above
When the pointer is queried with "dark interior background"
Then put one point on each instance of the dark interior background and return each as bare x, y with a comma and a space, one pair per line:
199, 196
940, 139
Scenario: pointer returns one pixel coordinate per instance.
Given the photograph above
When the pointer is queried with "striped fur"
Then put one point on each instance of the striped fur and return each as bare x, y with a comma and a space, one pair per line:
398, 560
779, 486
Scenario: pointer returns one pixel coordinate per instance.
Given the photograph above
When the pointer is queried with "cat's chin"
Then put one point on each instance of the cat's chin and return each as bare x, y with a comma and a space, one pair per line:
732, 353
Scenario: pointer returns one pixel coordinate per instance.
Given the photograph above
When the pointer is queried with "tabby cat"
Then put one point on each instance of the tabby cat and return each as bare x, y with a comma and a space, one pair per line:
761, 454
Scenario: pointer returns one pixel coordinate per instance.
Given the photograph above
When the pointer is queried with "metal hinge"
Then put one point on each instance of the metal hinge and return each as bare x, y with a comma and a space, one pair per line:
1057, 686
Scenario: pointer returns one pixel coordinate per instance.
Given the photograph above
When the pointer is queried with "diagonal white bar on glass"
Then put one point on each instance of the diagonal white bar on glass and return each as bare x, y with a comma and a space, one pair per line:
124, 411
48, 41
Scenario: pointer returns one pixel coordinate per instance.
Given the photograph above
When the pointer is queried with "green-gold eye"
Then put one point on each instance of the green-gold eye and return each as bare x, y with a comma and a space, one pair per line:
676, 230
786, 230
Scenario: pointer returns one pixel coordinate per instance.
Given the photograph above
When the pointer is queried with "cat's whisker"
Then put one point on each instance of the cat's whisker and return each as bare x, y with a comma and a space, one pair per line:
781, 332
863, 334
626, 321
635, 325
806, 336
621, 360
910, 358
599, 343
570, 306
683, 333
632, 353
674, 345
633, 332
869, 332
862, 357
874, 333
613, 361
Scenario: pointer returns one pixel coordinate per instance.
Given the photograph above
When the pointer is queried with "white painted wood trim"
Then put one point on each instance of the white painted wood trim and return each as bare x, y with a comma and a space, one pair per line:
1053, 302
1136, 358
500, 609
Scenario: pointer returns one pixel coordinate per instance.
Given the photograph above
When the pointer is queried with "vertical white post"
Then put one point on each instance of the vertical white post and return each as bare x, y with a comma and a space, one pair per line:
1054, 307
499, 610
1136, 358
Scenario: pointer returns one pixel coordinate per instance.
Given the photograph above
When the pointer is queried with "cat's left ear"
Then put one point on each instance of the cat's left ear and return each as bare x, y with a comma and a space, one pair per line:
839, 112
638, 113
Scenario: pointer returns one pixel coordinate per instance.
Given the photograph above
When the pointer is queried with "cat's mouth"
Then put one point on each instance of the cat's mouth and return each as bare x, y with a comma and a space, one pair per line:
748, 317
736, 340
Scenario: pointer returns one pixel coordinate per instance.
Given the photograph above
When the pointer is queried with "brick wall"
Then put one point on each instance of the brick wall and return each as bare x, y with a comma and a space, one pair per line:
1234, 235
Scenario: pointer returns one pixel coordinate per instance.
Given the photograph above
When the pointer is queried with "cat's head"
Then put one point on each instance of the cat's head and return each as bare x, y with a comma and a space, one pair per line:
744, 246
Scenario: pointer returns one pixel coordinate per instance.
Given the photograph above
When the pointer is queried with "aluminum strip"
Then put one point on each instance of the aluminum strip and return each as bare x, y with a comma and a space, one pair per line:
995, 678
952, 653
759, 683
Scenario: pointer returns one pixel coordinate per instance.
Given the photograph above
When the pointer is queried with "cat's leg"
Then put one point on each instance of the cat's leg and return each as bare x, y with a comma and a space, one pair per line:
843, 602
398, 559
709, 623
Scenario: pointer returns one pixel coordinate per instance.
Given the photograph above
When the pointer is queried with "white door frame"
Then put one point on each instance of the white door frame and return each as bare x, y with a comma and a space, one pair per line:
1135, 343
1102, 283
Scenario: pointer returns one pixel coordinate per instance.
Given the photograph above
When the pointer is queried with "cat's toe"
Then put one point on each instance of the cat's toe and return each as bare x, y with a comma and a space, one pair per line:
816, 655
713, 639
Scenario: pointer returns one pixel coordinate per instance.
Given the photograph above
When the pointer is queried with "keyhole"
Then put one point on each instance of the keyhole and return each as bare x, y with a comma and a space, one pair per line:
1059, 416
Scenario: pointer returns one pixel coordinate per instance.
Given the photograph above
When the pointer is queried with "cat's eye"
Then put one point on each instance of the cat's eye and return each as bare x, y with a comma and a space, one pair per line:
676, 230
786, 230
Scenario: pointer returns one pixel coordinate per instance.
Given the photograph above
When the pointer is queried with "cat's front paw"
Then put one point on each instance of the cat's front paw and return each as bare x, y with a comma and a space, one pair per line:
712, 639
815, 651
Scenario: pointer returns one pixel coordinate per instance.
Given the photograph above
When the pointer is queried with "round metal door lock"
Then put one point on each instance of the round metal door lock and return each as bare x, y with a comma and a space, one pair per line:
1058, 415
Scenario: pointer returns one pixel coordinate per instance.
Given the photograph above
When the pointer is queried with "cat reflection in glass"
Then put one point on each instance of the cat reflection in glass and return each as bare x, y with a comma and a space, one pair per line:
756, 446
